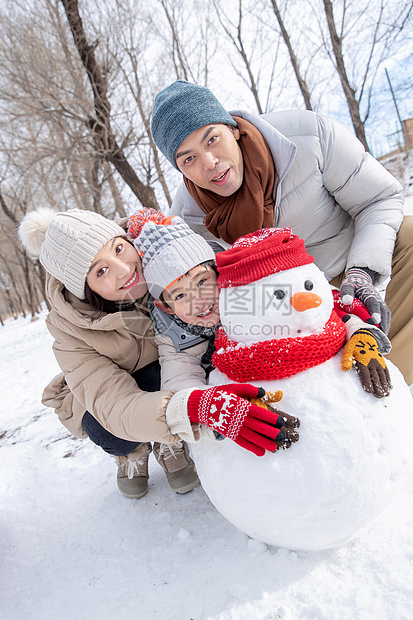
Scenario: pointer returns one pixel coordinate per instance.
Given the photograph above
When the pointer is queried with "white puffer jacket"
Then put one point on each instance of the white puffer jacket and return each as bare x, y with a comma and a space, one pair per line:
330, 192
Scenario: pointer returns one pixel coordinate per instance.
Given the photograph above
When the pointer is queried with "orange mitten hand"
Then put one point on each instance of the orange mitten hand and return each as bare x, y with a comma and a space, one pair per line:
362, 350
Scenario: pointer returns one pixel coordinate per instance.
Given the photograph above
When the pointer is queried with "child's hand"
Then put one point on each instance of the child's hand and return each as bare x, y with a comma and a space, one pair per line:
228, 410
290, 422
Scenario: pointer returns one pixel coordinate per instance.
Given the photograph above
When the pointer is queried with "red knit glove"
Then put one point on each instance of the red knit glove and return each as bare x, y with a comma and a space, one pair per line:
226, 409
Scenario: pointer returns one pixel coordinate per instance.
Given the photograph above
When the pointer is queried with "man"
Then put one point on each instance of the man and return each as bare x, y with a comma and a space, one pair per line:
242, 172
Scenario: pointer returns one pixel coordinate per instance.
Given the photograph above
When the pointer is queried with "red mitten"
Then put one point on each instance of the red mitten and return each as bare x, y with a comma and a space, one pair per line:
226, 409
356, 307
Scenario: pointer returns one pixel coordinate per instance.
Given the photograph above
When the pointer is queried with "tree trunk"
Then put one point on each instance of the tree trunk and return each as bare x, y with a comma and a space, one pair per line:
119, 208
101, 125
301, 81
350, 95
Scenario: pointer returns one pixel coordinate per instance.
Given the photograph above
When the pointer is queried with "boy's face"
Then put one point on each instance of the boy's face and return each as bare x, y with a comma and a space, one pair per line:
211, 158
194, 297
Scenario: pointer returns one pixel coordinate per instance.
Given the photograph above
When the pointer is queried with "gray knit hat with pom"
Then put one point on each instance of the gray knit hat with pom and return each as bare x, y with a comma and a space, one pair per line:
170, 251
66, 243
180, 109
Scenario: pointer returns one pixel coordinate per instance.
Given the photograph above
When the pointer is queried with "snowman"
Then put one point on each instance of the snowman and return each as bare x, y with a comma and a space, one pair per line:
280, 331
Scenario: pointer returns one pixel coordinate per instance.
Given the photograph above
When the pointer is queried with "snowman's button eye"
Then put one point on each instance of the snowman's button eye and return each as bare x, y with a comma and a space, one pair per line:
308, 285
279, 294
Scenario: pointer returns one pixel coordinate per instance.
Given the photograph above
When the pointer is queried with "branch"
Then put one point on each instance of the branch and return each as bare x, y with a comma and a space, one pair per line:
101, 126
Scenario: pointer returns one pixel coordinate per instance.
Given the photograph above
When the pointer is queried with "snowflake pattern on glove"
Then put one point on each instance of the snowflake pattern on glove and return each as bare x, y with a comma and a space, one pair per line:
227, 417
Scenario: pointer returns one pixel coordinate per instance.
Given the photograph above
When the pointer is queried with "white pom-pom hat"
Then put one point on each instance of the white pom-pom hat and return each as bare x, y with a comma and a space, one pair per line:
66, 243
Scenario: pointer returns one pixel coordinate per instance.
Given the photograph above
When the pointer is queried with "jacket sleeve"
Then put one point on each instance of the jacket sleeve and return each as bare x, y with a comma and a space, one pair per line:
109, 392
180, 369
177, 206
367, 191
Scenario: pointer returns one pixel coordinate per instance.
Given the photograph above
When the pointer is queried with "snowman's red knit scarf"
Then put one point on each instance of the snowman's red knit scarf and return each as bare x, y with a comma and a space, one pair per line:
278, 358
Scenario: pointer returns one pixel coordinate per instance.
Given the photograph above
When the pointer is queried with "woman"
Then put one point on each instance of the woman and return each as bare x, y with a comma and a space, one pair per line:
104, 344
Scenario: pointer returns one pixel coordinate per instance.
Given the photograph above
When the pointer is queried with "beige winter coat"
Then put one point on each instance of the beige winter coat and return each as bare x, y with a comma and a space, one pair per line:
96, 356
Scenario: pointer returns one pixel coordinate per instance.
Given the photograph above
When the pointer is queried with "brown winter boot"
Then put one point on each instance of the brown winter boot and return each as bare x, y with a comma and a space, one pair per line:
133, 472
178, 466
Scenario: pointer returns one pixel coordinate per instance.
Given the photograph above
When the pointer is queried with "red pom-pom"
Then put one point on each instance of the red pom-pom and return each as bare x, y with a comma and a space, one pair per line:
138, 220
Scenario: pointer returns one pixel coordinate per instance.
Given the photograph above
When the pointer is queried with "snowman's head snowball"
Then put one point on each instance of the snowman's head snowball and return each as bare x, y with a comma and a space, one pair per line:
260, 254
264, 310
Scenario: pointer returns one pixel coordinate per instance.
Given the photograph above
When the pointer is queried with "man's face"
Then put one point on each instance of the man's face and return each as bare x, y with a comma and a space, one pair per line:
211, 158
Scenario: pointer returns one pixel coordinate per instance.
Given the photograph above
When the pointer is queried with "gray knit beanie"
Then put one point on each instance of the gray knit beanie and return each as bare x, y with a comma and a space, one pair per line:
168, 252
66, 243
180, 109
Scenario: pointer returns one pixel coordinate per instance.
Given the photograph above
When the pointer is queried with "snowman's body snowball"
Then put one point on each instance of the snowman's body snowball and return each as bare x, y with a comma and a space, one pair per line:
351, 460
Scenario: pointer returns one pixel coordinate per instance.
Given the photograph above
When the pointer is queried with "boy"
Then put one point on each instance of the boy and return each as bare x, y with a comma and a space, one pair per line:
180, 272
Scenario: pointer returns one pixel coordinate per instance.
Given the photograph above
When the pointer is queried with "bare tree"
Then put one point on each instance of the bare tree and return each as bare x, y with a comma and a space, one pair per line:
45, 139
302, 84
349, 92
16, 266
127, 53
372, 31
101, 124
235, 33
179, 59
187, 32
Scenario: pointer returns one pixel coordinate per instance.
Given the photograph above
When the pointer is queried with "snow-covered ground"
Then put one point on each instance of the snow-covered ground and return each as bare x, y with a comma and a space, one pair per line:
73, 548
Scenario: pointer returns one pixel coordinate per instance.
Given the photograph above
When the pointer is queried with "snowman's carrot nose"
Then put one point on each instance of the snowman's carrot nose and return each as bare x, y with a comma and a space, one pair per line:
305, 301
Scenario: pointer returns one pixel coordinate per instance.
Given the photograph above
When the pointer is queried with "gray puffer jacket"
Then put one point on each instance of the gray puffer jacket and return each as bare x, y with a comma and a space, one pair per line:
330, 192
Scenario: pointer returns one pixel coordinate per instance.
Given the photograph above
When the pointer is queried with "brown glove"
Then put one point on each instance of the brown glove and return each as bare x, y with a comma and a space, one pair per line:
363, 350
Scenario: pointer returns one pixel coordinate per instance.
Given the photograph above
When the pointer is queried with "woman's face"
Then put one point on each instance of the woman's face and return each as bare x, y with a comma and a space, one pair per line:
116, 272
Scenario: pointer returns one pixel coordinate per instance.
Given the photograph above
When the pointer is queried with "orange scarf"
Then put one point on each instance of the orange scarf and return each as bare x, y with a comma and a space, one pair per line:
252, 206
